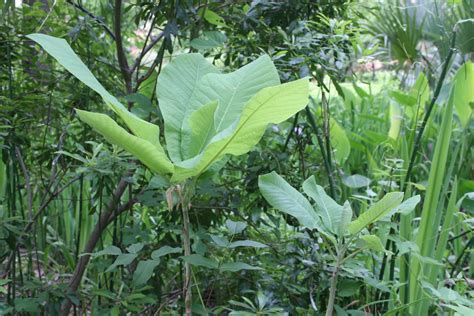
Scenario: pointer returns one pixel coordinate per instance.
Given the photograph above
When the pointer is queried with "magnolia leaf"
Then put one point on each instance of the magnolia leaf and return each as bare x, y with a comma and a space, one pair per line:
148, 154
235, 89
63, 53
335, 217
232, 91
372, 242
285, 198
269, 105
407, 206
463, 92
176, 86
376, 211
201, 123
344, 219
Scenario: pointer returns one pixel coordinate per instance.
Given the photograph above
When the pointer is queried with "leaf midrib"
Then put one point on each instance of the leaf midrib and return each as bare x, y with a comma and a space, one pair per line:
238, 129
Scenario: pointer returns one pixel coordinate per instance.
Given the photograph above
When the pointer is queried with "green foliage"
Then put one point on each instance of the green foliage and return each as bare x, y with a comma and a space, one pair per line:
198, 104
400, 26
241, 115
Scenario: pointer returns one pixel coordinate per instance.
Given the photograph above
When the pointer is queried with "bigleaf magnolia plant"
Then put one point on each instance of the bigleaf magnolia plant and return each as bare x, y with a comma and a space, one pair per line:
332, 220
207, 115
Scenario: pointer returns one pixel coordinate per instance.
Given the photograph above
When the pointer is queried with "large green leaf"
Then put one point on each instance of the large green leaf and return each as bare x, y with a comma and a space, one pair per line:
335, 217
287, 199
148, 154
463, 92
232, 91
376, 211
63, 53
270, 105
176, 86
201, 123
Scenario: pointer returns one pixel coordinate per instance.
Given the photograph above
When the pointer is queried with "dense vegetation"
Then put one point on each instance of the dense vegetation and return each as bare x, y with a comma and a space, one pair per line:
236, 157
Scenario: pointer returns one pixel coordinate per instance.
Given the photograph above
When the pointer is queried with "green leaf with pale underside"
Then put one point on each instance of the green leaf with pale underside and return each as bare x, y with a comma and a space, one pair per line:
232, 91
148, 154
201, 123
63, 53
335, 217
270, 105
376, 212
176, 86
287, 199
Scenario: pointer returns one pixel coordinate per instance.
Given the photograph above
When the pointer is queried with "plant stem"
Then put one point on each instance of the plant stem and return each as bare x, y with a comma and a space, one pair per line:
333, 287
187, 252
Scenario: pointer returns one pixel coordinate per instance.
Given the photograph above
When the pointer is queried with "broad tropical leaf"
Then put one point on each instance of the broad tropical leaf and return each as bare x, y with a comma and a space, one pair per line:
63, 53
148, 154
376, 211
176, 86
335, 217
269, 105
406, 207
201, 124
287, 199
232, 91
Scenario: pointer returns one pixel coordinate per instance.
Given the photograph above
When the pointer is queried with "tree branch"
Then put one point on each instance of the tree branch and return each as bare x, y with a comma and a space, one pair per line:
122, 59
97, 19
